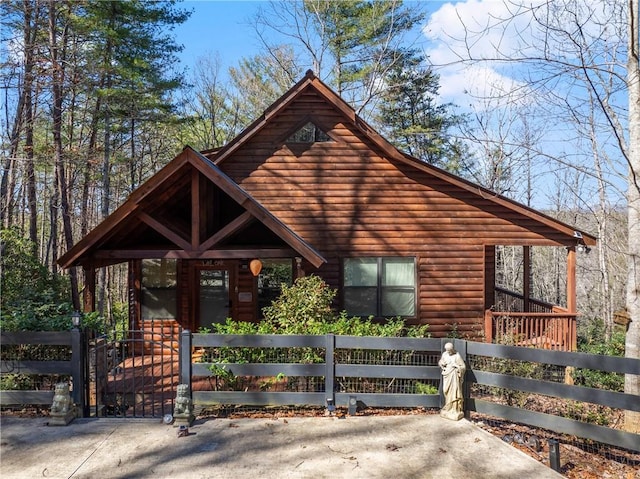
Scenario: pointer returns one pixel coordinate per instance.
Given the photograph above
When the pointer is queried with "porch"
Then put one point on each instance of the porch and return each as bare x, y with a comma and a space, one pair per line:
521, 321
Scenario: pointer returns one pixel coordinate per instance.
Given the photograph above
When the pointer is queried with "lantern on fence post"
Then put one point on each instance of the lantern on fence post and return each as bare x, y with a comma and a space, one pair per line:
75, 319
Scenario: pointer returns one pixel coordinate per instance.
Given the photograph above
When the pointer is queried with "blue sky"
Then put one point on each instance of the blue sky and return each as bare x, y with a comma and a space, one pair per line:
217, 27
223, 27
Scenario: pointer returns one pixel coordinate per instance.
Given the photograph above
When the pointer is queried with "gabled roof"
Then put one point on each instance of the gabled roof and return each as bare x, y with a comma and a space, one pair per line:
133, 212
390, 152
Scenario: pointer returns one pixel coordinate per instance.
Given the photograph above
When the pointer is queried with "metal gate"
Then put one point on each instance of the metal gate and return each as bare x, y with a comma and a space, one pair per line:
135, 373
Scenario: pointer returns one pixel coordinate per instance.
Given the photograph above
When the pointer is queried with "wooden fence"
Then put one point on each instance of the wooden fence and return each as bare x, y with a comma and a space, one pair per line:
75, 367
334, 367
329, 369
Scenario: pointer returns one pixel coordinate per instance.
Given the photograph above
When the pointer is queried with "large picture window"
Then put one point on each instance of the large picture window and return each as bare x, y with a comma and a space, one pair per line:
159, 294
380, 287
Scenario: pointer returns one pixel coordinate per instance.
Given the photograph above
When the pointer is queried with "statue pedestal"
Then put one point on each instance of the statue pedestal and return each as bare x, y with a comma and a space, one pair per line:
61, 419
452, 415
183, 419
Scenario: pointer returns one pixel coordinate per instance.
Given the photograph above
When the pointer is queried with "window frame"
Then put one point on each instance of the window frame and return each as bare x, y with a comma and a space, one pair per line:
164, 282
380, 288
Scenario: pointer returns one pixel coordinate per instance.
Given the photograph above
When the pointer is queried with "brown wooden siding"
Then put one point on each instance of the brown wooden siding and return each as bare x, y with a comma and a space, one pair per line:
246, 310
489, 276
346, 199
185, 286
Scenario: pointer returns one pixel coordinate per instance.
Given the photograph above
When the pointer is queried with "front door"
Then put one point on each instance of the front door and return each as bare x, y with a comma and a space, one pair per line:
213, 298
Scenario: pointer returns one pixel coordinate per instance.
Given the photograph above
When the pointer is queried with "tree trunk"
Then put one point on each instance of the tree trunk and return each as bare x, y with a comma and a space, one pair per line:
29, 43
57, 77
632, 342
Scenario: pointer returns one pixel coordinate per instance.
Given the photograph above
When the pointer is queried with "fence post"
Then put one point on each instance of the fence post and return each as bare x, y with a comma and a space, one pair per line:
185, 358
78, 370
329, 378
460, 345
488, 326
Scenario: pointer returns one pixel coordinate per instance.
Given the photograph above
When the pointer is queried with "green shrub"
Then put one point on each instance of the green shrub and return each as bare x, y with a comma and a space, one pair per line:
303, 307
422, 388
595, 342
32, 298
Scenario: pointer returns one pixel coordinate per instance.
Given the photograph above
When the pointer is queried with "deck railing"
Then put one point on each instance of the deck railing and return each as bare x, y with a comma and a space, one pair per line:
530, 323
506, 300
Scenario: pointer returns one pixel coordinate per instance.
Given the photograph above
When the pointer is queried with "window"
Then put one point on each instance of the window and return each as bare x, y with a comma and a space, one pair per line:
309, 133
380, 287
159, 295
274, 273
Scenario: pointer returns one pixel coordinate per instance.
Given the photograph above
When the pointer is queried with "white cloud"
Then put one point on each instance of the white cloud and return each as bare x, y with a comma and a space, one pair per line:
490, 31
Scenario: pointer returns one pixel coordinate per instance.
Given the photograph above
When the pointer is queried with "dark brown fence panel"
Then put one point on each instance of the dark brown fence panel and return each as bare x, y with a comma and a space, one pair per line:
374, 365
405, 361
13, 362
567, 362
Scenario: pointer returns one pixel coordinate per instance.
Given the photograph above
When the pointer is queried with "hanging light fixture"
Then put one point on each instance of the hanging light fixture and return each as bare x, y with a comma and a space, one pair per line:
255, 266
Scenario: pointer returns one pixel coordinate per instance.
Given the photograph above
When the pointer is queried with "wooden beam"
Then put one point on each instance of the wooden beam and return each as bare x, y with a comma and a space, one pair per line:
526, 280
227, 230
89, 292
128, 208
164, 231
187, 254
195, 209
232, 189
571, 279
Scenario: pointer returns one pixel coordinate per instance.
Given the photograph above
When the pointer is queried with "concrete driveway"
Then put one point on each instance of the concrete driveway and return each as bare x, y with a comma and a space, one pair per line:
399, 447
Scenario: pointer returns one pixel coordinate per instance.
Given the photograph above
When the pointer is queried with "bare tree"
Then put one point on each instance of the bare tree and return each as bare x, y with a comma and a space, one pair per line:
351, 44
579, 60
632, 343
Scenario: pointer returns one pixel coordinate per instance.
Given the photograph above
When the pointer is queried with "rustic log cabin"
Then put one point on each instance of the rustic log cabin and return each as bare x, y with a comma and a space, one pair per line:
311, 188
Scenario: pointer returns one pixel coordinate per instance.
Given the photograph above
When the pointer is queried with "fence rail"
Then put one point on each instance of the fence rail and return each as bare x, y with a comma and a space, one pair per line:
329, 368
552, 422
331, 365
74, 367
335, 352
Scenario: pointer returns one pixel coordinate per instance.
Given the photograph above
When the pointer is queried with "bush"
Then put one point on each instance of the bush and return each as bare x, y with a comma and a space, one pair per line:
33, 299
302, 307
305, 308
595, 342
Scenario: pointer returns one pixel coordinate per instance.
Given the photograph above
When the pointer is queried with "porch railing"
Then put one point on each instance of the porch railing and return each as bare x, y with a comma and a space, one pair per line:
530, 322
506, 300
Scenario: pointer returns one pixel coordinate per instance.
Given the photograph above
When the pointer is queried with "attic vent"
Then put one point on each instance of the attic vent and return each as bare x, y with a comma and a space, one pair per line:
309, 133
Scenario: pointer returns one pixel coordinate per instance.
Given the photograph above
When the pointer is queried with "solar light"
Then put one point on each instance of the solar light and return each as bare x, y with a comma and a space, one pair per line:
554, 454
331, 407
75, 319
353, 405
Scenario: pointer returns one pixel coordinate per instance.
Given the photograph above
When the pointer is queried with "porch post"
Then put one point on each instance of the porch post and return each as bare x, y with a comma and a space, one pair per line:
89, 292
299, 273
571, 279
526, 280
